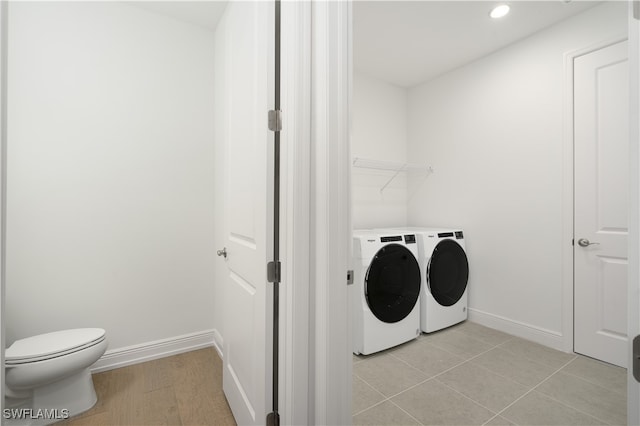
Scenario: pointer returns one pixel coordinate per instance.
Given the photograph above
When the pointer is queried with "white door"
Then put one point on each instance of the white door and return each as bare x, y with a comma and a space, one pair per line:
248, 63
601, 199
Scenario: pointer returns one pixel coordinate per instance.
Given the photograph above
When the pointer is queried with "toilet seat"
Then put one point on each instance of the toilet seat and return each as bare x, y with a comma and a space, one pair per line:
52, 345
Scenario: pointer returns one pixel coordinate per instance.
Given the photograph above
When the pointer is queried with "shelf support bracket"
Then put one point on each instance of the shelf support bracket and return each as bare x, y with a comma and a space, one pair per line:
391, 180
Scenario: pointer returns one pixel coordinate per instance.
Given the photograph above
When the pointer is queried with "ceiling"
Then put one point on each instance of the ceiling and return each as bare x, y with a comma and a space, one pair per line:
409, 42
204, 13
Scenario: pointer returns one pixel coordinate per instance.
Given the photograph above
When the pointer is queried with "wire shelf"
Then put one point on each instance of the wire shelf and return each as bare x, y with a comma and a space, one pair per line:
395, 167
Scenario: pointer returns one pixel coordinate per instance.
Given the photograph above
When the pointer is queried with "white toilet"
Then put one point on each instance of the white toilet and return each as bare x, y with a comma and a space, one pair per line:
51, 372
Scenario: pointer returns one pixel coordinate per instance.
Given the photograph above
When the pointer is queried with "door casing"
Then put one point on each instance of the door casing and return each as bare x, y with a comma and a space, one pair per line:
633, 307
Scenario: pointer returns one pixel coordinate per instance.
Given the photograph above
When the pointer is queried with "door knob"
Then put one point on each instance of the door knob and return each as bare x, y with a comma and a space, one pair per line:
583, 242
222, 252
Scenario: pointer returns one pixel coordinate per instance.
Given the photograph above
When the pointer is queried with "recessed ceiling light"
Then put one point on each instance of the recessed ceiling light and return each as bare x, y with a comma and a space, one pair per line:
499, 11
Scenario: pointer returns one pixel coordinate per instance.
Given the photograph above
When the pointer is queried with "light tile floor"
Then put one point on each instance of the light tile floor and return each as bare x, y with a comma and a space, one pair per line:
473, 375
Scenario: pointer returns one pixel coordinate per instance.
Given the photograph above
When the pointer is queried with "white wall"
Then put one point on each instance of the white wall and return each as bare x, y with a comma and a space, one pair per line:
493, 131
379, 133
111, 172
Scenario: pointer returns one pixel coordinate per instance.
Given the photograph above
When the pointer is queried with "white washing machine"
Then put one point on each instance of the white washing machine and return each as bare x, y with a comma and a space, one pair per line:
445, 273
385, 291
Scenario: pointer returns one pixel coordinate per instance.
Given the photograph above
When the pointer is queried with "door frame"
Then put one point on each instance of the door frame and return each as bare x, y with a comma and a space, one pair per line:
295, 188
3, 181
633, 307
315, 356
330, 215
568, 213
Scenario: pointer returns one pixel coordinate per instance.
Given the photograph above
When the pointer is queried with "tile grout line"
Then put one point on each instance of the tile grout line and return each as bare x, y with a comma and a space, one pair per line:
465, 361
493, 346
394, 404
538, 385
388, 398
574, 408
384, 397
570, 406
450, 352
466, 397
494, 416
435, 377
369, 408
529, 358
431, 378
417, 384
505, 377
594, 383
500, 413
407, 413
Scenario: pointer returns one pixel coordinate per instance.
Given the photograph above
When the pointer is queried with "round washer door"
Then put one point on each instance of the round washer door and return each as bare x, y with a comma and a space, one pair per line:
392, 283
448, 272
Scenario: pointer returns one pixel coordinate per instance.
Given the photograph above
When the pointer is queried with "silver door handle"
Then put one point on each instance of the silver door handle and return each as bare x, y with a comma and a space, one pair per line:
583, 242
222, 252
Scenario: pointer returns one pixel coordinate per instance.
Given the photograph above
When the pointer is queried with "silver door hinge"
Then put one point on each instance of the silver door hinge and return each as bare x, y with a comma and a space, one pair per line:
275, 120
273, 419
349, 277
273, 272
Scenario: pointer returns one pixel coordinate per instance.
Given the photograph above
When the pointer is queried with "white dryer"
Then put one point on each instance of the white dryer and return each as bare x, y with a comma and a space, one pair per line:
386, 289
445, 273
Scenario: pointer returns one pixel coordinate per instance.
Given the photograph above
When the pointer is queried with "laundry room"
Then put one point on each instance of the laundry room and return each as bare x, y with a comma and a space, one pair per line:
461, 121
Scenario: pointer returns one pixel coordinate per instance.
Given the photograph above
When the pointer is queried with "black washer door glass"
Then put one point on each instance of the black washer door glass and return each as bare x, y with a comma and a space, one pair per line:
392, 284
448, 272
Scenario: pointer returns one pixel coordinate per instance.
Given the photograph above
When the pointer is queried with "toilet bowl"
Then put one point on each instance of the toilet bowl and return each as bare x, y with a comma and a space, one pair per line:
47, 377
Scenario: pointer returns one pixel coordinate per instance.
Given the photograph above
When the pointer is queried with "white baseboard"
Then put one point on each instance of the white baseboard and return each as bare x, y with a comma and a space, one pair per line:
129, 355
218, 342
552, 339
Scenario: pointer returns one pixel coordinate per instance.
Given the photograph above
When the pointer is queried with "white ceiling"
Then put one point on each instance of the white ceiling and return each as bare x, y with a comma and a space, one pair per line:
410, 42
204, 13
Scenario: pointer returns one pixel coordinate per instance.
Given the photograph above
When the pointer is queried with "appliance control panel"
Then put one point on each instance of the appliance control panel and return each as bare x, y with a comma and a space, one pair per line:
410, 239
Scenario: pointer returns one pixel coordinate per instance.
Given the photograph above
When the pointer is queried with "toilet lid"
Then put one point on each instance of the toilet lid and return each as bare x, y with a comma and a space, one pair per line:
49, 345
